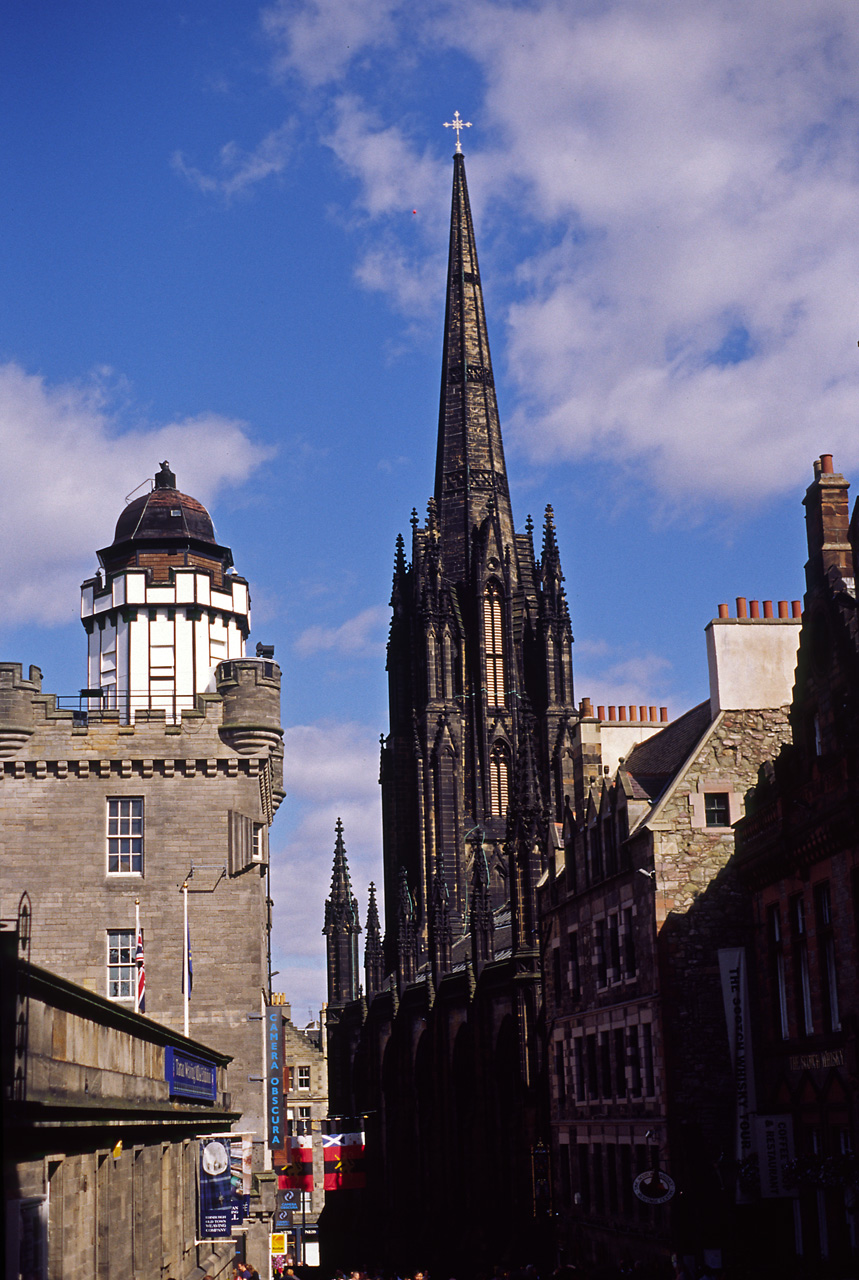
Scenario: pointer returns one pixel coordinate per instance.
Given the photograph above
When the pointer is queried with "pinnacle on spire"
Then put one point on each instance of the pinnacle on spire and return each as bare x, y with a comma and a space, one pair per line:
374, 963
470, 467
341, 908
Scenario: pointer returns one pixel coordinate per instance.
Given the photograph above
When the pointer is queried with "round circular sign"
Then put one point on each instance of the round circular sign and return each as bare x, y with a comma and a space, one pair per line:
653, 1186
215, 1158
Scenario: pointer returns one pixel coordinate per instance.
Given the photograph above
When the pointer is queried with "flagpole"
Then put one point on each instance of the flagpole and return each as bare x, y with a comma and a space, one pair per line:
185, 958
136, 962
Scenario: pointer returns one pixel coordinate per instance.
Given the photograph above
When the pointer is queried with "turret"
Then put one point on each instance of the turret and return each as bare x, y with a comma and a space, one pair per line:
17, 717
164, 609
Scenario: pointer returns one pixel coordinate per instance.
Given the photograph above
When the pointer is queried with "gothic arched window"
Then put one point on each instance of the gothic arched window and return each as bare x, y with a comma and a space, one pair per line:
493, 640
499, 775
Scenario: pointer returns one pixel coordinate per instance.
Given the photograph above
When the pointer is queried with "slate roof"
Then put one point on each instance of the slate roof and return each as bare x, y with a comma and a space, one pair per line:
653, 764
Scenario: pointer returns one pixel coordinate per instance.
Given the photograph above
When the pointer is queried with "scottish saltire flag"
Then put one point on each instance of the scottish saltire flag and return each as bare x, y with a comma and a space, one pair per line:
298, 1171
190, 967
140, 999
343, 1156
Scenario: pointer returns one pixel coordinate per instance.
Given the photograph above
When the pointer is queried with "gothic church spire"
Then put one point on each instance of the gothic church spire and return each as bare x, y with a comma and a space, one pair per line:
470, 471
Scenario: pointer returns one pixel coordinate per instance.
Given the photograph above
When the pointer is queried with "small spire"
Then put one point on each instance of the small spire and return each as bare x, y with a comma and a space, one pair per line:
374, 963
341, 929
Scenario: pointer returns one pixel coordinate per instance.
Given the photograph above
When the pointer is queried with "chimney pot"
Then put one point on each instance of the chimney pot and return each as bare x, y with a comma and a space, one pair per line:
612, 713
754, 609
585, 707
724, 611
796, 608
741, 607
621, 713
600, 713
826, 464
768, 608
653, 714
663, 714
642, 713
633, 713
783, 611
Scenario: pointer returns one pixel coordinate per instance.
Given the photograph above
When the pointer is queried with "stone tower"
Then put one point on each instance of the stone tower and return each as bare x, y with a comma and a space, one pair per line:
480, 632
169, 774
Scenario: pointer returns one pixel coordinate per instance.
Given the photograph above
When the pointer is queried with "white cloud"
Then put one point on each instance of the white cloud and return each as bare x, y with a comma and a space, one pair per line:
609, 678
239, 169
319, 39
687, 306
67, 467
361, 636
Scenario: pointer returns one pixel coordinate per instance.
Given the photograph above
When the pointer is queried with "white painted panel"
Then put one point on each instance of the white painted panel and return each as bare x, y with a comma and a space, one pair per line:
118, 590
204, 588
220, 600
161, 658
135, 588
122, 629
93, 650
185, 585
138, 672
161, 595
236, 641
203, 672
184, 654
86, 601
161, 629
241, 601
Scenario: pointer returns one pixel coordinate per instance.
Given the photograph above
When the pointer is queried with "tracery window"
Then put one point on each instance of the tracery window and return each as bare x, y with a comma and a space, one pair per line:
493, 640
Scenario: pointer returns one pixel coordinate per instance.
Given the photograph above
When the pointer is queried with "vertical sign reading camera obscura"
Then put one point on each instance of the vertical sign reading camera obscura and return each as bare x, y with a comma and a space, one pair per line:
274, 1077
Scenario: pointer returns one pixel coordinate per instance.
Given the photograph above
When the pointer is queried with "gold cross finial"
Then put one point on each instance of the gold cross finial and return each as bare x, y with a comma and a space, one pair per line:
457, 123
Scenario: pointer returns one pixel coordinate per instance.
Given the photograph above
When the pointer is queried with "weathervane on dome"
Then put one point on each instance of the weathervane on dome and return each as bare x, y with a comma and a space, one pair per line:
457, 123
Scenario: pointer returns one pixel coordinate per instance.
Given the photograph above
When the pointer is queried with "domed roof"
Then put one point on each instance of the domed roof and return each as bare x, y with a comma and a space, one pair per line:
165, 513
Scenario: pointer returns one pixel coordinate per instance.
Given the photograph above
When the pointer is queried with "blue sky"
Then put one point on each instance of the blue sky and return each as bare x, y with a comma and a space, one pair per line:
225, 230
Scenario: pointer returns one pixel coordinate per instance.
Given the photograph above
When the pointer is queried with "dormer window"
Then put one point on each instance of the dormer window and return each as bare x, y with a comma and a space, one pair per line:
175, 511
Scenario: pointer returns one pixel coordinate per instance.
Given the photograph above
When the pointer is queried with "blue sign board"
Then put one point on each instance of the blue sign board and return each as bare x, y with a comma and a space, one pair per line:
190, 1077
274, 1077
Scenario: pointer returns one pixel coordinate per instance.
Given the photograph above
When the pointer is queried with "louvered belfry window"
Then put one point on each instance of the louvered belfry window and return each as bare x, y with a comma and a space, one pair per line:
493, 639
498, 782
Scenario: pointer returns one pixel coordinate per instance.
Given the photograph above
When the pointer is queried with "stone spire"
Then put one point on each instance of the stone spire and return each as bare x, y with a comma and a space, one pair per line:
470, 469
374, 962
341, 929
